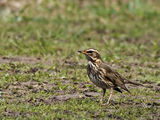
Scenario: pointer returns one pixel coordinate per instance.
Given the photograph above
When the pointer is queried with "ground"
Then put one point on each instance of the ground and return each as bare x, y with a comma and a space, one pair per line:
43, 77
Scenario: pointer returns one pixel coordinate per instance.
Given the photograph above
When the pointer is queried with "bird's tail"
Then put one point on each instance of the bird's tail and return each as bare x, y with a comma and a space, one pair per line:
134, 83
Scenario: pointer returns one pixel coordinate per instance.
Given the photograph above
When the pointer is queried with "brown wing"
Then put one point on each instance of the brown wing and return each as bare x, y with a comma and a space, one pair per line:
113, 76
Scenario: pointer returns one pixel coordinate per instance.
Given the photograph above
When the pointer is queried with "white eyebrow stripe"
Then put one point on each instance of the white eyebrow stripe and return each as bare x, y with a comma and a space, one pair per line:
93, 50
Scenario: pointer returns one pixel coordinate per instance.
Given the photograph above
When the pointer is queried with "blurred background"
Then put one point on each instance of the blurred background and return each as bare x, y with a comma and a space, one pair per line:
61, 27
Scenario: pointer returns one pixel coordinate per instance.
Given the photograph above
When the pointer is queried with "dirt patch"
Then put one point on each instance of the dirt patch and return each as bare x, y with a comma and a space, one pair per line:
21, 59
18, 93
67, 97
13, 113
91, 94
36, 101
74, 96
19, 89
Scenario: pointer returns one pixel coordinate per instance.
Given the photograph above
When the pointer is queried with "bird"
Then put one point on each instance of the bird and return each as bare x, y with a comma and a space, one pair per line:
103, 76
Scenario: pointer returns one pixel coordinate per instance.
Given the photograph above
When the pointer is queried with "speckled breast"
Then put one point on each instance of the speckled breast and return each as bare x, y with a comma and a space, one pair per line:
95, 76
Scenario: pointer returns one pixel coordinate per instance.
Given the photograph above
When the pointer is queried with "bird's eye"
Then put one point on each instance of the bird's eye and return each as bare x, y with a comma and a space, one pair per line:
89, 51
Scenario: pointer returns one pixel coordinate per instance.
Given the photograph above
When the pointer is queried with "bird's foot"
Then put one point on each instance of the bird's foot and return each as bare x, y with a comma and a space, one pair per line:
107, 103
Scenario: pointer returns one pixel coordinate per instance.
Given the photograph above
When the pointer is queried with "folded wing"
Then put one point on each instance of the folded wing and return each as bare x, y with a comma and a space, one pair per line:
114, 77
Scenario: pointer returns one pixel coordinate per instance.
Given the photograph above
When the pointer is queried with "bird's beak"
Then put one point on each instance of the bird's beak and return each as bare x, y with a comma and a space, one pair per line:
84, 52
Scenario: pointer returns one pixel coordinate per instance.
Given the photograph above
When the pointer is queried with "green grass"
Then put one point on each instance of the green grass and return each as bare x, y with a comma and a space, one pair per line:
39, 59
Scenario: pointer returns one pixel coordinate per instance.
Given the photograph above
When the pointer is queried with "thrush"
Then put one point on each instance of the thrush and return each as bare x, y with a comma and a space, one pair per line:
103, 76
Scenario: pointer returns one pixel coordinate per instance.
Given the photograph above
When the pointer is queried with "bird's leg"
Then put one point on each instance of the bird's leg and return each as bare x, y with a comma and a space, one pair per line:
104, 91
110, 96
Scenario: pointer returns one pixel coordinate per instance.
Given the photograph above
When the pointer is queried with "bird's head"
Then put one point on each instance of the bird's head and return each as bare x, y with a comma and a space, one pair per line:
91, 55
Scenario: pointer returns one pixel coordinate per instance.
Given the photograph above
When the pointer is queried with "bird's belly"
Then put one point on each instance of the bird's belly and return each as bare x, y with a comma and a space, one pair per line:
98, 81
